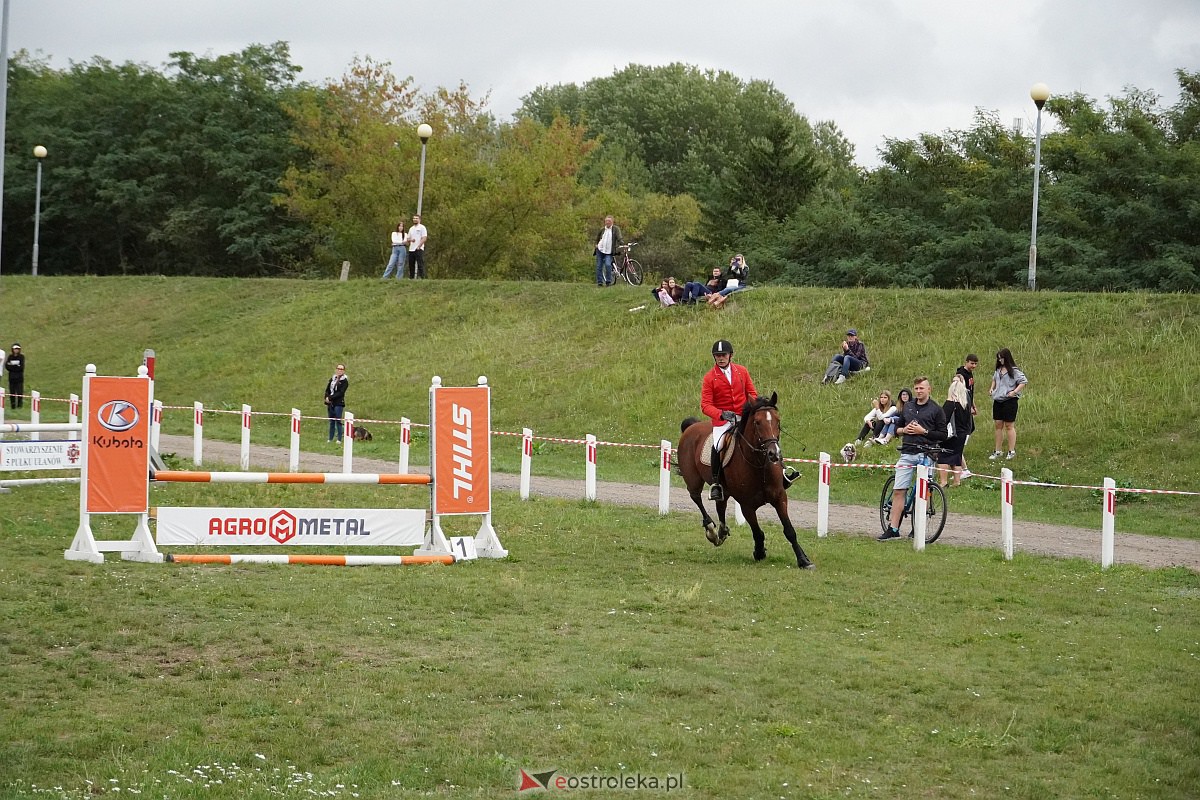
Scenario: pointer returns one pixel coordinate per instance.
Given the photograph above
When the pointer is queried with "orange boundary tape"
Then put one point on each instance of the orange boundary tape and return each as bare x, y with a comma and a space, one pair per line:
328, 561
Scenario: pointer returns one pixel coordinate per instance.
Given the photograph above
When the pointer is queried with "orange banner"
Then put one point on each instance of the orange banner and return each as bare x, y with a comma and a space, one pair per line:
462, 450
118, 445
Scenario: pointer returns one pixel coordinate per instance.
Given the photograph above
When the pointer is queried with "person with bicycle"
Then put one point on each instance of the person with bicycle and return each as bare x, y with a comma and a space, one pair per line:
725, 390
922, 424
607, 242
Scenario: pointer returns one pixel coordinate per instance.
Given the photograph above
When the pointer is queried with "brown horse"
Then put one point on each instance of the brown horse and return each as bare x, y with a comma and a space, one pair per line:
753, 476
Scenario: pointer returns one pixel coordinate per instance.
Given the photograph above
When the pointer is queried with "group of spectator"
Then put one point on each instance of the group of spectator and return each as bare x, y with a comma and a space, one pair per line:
715, 290
407, 249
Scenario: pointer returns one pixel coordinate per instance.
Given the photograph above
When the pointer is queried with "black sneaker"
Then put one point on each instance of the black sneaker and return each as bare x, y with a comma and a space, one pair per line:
717, 493
890, 533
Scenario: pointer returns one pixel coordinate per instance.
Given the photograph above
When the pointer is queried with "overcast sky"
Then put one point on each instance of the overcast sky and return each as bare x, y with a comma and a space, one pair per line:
877, 68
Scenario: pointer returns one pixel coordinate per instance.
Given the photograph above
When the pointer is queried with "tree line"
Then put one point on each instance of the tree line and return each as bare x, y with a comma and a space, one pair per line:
230, 165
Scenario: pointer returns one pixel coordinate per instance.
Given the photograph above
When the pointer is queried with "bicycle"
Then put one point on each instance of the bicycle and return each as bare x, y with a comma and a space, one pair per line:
626, 267
935, 509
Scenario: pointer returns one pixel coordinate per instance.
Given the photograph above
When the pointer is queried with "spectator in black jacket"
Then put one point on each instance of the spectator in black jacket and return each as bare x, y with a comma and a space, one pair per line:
335, 400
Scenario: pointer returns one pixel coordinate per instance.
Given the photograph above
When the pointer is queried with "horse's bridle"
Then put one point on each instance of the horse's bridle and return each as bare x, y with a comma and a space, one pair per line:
768, 449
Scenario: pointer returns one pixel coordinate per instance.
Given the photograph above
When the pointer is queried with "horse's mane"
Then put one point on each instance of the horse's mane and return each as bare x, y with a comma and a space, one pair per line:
754, 405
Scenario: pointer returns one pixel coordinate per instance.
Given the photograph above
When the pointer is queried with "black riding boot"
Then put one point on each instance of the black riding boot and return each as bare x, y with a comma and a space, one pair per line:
718, 491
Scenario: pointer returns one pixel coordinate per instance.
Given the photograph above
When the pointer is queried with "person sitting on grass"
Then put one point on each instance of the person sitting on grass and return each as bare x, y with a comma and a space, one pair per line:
668, 292
875, 422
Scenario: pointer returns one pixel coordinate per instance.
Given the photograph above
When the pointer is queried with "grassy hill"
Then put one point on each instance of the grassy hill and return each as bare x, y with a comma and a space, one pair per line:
1111, 376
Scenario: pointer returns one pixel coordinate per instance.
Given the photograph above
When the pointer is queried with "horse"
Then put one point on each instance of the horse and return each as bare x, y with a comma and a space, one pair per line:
753, 476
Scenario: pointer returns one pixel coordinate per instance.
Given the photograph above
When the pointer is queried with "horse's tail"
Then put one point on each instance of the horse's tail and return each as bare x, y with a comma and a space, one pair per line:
687, 423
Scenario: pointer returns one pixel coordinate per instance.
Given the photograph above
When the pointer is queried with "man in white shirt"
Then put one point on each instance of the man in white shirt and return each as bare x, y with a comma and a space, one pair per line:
417, 234
607, 242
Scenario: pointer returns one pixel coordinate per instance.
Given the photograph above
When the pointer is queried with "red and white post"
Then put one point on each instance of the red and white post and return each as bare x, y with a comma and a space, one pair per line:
589, 479
294, 448
526, 460
246, 417
825, 469
73, 409
1109, 523
197, 433
155, 423
405, 442
920, 507
664, 477
347, 442
1006, 512
35, 414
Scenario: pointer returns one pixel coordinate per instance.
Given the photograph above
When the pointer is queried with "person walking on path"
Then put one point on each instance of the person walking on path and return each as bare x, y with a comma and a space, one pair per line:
958, 425
967, 373
335, 400
1007, 384
417, 235
607, 242
15, 366
399, 253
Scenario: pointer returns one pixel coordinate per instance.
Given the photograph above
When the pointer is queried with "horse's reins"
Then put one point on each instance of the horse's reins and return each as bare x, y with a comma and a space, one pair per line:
764, 445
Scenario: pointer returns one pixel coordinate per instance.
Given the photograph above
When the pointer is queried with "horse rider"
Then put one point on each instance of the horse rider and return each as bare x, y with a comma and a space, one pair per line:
725, 390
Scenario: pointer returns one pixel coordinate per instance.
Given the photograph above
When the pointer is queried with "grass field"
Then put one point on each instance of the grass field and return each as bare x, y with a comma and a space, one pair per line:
612, 642
1112, 377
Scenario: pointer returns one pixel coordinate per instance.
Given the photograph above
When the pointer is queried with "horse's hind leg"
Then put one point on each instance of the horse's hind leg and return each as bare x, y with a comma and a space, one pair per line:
760, 542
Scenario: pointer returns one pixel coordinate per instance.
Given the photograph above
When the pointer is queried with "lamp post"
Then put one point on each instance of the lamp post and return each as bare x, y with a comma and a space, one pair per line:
39, 153
424, 132
1040, 94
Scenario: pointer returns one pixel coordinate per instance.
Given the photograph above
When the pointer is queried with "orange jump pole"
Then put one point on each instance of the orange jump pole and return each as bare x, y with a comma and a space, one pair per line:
185, 476
327, 561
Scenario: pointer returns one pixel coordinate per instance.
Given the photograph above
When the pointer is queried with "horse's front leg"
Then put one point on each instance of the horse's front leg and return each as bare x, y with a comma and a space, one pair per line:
789, 531
760, 539
723, 531
710, 527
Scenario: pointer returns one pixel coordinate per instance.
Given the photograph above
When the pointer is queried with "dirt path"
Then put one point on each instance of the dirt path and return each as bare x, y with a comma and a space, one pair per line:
1030, 537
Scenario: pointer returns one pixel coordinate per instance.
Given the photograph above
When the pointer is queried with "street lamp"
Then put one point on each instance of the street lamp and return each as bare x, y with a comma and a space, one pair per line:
39, 153
424, 132
1040, 94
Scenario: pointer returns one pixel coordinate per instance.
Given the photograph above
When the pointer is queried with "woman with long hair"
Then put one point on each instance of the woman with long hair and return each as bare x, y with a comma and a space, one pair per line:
1007, 384
873, 422
958, 423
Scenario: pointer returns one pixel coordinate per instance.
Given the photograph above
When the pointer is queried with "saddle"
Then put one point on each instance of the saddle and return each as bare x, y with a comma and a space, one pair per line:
726, 451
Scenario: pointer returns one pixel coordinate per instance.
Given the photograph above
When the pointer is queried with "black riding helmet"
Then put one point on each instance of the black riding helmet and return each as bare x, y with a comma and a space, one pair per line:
722, 346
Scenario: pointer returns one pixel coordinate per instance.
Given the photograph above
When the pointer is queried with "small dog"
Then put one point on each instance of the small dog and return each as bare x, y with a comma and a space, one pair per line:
361, 434
849, 453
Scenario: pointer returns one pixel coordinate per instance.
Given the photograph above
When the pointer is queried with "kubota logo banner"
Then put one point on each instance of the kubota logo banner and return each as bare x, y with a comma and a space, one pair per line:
462, 450
117, 432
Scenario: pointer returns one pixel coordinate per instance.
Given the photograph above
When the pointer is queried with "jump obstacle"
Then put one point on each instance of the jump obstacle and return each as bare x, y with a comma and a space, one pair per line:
115, 475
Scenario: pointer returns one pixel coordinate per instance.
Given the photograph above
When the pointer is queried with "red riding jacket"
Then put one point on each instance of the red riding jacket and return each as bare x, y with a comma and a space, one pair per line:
718, 394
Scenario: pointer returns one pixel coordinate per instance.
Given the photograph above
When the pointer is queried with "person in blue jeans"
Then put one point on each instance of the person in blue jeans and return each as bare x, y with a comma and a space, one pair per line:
853, 358
335, 401
399, 253
607, 242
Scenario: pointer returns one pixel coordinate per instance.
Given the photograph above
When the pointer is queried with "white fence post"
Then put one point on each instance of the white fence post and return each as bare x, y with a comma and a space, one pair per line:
35, 413
920, 507
1006, 512
347, 442
405, 441
246, 415
294, 448
1, 409
1108, 525
664, 478
738, 516
589, 473
526, 460
73, 409
197, 433
824, 475
155, 424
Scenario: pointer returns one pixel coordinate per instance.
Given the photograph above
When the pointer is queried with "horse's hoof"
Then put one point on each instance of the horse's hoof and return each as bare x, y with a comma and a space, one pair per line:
809, 565
710, 533
759, 555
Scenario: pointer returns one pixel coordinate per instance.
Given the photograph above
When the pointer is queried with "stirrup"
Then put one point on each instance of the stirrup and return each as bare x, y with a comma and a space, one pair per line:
717, 494
790, 476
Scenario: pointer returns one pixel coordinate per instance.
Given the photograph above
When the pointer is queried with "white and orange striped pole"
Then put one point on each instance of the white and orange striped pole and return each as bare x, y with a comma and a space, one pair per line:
526, 460
382, 478
294, 446
326, 560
